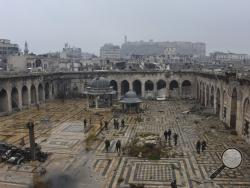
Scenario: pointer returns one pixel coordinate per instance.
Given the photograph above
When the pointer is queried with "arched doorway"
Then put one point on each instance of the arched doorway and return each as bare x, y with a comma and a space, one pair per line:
161, 88
33, 94
173, 88
149, 89
47, 93
14, 98
149, 85
124, 87
197, 91
137, 87
218, 105
3, 101
75, 92
212, 97
40, 92
186, 88
113, 83
207, 96
25, 96
246, 119
233, 114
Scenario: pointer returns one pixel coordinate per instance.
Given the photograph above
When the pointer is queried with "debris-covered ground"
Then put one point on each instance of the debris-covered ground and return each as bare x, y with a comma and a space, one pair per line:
79, 156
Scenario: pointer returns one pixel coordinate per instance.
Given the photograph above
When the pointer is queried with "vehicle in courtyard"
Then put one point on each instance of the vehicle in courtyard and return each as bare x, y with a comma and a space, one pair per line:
161, 98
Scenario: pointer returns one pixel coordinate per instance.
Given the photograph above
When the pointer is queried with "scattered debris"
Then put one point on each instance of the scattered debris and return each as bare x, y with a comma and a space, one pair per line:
14, 155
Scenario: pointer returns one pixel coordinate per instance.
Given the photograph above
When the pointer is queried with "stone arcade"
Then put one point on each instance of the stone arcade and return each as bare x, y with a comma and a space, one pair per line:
225, 94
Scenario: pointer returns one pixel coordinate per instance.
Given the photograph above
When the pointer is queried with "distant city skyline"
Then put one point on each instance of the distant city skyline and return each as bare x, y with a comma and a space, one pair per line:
47, 25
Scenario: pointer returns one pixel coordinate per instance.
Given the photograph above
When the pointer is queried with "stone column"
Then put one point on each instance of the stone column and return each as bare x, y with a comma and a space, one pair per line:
20, 101
155, 89
37, 95
9, 106
205, 102
130, 85
239, 118
142, 89
29, 97
228, 115
50, 91
118, 90
96, 101
30, 126
180, 90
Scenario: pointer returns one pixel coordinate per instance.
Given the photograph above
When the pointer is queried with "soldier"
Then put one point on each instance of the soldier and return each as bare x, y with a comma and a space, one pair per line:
175, 138
85, 123
203, 145
118, 146
117, 124
198, 146
107, 145
173, 184
114, 123
169, 134
122, 123
106, 125
166, 135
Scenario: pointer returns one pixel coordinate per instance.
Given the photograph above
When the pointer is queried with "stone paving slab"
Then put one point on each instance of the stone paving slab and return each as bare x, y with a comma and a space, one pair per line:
64, 138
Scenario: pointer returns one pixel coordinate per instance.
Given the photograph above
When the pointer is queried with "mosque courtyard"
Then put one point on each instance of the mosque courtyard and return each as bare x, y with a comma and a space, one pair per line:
80, 152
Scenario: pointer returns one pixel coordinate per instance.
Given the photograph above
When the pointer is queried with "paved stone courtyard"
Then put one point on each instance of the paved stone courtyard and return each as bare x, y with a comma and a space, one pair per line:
63, 136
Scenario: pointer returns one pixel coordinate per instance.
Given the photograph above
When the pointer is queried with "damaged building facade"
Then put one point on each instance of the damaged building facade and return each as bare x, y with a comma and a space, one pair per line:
225, 94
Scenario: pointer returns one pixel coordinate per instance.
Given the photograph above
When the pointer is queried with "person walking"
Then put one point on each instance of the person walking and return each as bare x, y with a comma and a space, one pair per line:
173, 184
175, 138
166, 135
198, 146
117, 125
169, 134
107, 145
203, 145
122, 123
118, 146
85, 123
114, 123
106, 125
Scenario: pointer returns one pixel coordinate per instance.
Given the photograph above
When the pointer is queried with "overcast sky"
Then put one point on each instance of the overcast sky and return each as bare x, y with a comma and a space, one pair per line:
47, 24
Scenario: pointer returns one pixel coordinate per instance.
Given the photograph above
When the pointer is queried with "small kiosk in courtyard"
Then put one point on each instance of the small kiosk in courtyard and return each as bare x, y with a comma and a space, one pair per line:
131, 102
99, 93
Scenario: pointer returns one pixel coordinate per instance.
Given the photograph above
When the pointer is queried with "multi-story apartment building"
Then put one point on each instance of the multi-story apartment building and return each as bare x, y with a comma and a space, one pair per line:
7, 48
110, 51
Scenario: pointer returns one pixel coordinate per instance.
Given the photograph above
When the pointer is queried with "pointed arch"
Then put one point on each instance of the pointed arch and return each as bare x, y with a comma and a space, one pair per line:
3, 101
25, 96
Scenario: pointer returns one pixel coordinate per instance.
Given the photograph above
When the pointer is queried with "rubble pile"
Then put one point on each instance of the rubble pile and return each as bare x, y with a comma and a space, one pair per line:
14, 155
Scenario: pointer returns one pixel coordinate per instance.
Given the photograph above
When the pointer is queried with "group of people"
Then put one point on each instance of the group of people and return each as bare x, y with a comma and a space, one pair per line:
117, 124
117, 145
201, 146
167, 135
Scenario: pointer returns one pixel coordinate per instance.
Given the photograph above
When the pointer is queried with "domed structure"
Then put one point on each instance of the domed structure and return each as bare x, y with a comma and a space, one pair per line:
99, 93
130, 94
130, 102
100, 83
